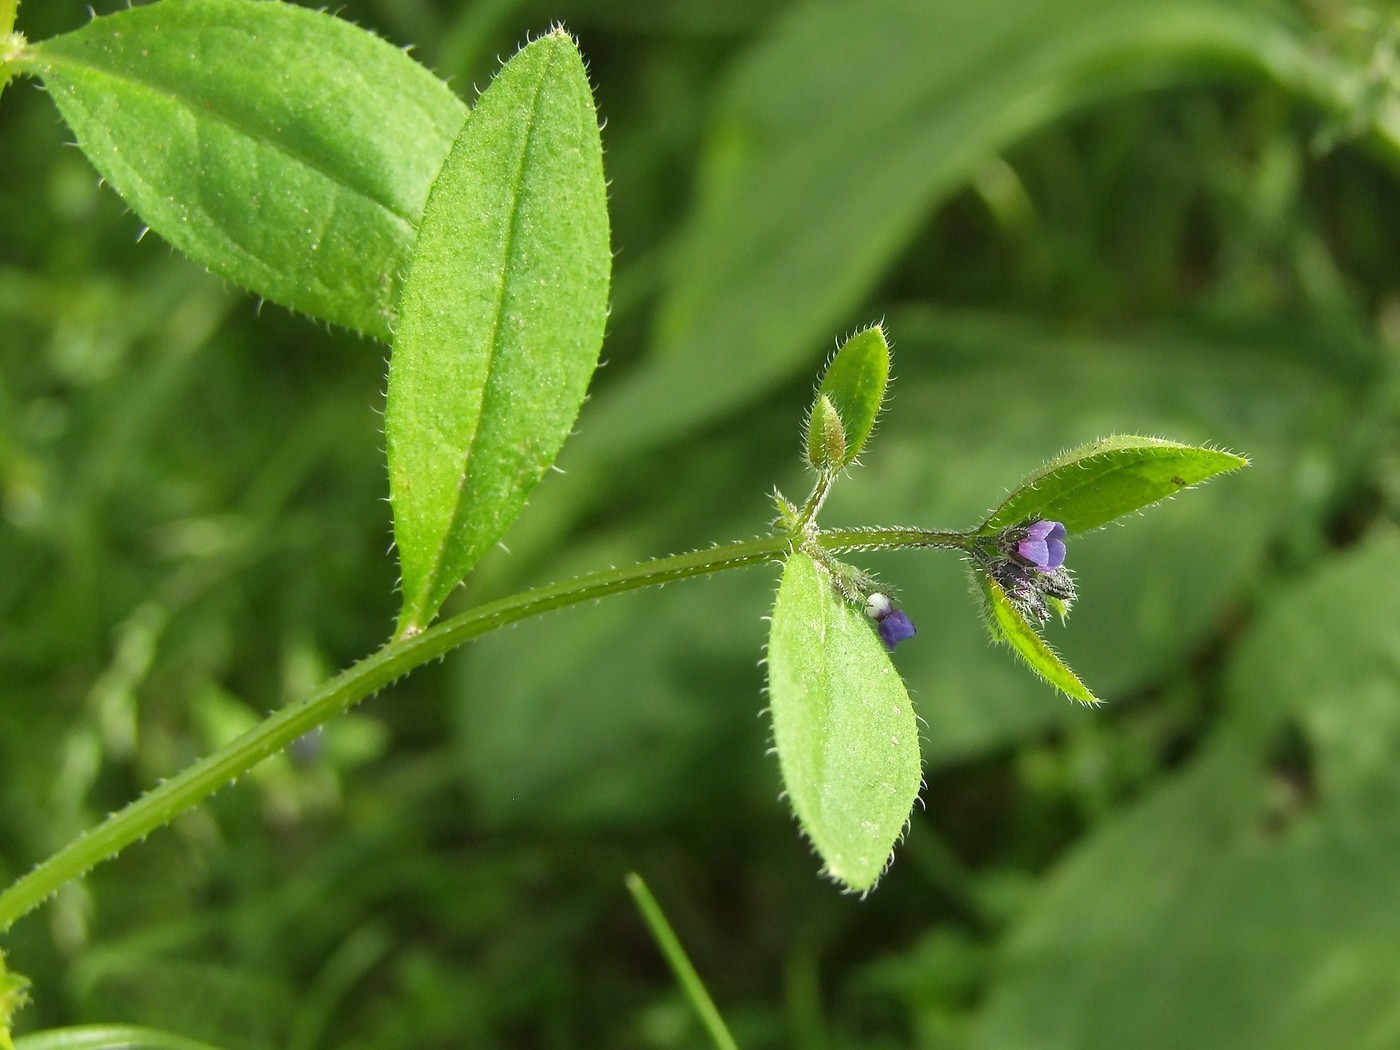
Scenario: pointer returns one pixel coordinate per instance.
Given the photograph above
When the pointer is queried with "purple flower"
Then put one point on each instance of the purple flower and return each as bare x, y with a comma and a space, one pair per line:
1042, 547
893, 625
894, 628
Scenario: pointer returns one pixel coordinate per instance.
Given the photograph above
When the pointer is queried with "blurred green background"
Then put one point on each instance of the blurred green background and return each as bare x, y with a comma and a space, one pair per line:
1177, 218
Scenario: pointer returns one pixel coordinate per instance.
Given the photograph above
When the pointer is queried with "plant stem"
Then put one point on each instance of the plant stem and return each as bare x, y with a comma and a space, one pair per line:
197, 782
813, 506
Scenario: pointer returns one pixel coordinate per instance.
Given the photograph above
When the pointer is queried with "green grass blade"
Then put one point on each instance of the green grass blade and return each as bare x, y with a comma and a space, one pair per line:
679, 962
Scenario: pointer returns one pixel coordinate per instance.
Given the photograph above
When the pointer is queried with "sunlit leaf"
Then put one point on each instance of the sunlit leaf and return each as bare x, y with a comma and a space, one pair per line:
1100, 482
845, 731
503, 315
285, 149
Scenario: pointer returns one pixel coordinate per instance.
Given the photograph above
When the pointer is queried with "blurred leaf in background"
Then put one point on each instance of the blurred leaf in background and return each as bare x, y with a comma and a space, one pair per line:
1177, 218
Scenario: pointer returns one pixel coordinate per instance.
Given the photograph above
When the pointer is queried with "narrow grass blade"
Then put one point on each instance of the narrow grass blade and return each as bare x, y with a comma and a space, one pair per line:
679, 962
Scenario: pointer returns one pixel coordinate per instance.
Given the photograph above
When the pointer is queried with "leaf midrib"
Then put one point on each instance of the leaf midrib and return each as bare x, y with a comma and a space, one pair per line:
48, 60
497, 321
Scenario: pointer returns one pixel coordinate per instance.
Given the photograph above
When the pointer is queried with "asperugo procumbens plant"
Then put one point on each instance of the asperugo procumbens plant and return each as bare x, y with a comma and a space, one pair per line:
320, 167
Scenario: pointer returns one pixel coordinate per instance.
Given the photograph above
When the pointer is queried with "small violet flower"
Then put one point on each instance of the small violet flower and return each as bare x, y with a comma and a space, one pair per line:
1028, 561
893, 625
1043, 546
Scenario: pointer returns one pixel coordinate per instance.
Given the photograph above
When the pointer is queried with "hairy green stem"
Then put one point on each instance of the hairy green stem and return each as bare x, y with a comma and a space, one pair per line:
197, 782
813, 506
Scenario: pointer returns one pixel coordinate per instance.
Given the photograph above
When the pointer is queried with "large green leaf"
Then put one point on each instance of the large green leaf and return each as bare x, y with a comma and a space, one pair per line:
1106, 479
844, 729
285, 149
844, 128
503, 315
1254, 900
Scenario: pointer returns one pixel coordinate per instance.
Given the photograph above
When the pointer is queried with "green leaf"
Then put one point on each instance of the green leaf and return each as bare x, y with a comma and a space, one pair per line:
286, 150
844, 728
814, 184
1104, 480
503, 315
854, 384
1007, 625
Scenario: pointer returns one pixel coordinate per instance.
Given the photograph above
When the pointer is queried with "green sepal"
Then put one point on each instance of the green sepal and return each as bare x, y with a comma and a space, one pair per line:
14, 995
844, 729
1097, 483
854, 385
788, 513
1006, 624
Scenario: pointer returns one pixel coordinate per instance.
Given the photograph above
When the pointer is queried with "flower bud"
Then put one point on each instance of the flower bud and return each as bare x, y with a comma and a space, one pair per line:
826, 437
893, 625
1028, 562
1041, 545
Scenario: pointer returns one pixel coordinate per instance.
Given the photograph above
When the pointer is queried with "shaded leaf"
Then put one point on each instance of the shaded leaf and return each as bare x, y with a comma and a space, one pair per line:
1102, 481
845, 731
288, 151
844, 128
1007, 625
503, 314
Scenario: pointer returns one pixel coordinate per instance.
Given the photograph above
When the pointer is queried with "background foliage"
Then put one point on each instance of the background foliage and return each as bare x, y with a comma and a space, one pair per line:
1143, 224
